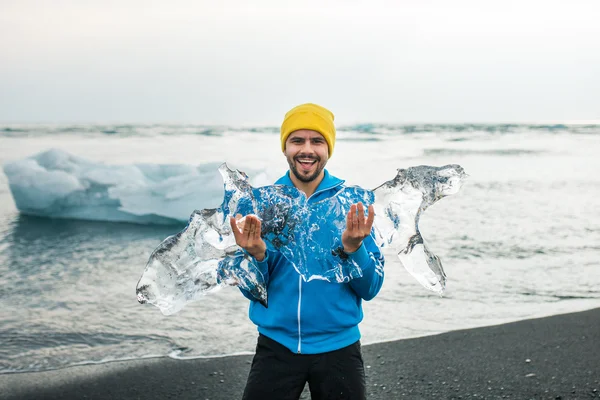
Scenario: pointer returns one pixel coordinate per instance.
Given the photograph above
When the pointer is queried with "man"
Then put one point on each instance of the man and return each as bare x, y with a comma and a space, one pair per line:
309, 332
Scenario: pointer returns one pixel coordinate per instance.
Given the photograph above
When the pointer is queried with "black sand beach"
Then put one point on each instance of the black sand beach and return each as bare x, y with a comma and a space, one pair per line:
548, 358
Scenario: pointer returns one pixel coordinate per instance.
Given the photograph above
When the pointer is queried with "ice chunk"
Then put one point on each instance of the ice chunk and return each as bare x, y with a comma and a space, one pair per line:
196, 261
398, 206
204, 256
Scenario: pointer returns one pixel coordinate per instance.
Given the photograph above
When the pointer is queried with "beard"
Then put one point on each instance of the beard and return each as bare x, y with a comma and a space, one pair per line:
302, 177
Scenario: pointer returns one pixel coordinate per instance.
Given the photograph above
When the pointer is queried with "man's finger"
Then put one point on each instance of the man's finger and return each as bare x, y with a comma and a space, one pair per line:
247, 224
234, 228
257, 229
250, 240
349, 219
252, 224
241, 221
354, 217
361, 214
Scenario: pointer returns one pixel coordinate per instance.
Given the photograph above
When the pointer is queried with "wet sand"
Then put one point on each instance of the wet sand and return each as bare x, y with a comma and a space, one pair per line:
556, 357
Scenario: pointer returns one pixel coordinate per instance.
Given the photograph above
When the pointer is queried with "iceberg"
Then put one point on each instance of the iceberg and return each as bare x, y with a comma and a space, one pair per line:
57, 184
204, 257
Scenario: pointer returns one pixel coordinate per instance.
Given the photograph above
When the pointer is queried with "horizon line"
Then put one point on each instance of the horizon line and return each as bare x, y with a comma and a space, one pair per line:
258, 125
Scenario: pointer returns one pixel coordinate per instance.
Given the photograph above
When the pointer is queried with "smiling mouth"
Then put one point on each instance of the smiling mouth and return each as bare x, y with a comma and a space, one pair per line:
305, 163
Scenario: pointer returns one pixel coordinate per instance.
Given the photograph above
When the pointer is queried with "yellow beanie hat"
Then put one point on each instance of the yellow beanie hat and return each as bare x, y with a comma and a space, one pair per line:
309, 116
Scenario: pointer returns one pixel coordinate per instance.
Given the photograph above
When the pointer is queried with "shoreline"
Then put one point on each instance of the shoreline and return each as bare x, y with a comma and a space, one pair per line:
561, 311
556, 357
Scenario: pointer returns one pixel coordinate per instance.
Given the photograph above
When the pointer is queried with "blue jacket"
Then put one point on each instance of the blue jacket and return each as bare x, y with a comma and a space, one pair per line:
317, 316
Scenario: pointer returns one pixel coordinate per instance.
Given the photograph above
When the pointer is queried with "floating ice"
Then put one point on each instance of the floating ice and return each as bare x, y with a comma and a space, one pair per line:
204, 257
60, 185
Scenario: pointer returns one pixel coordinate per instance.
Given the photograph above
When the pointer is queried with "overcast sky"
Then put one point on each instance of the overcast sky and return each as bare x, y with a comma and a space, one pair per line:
242, 62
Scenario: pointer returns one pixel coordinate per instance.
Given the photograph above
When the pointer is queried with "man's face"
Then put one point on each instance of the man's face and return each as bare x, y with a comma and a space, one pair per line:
307, 153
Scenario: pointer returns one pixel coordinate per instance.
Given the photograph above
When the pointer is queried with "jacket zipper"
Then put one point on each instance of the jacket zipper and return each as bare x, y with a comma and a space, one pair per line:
299, 302
300, 280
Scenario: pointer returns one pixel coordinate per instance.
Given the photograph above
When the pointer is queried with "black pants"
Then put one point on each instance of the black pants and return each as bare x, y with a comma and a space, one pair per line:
279, 374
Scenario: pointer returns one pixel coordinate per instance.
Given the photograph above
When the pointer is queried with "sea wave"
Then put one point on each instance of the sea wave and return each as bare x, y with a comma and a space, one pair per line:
55, 349
483, 152
348, 132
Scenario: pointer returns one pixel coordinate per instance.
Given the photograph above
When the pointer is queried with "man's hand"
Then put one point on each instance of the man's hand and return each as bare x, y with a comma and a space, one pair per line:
247, 235
357, 227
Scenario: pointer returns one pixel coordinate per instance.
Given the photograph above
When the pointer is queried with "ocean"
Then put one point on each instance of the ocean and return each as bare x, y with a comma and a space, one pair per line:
520, 240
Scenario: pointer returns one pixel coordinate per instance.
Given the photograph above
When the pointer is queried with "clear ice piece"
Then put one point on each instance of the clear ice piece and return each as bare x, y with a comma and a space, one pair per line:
187, 265
399, 204
204, 257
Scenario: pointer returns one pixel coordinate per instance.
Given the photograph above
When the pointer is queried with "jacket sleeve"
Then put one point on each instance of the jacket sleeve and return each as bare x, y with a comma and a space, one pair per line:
370, 260
264, 268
